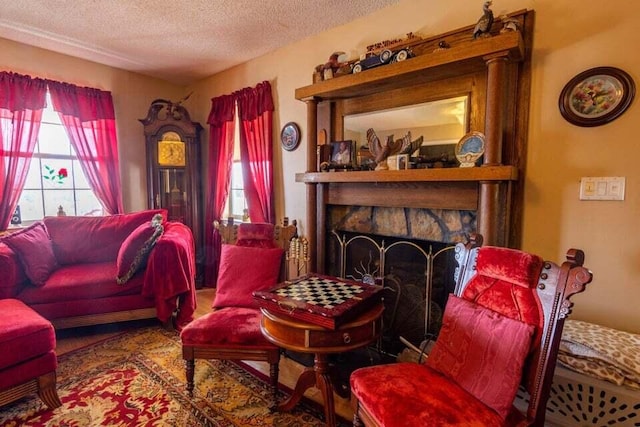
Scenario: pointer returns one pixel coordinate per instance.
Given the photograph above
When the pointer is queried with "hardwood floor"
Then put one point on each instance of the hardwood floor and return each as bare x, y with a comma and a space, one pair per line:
71, 339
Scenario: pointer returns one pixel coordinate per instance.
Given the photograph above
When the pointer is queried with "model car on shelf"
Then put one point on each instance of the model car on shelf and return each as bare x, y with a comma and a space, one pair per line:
384, 57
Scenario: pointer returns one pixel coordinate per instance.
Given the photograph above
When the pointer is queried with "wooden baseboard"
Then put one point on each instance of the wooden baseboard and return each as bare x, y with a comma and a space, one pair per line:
103, 318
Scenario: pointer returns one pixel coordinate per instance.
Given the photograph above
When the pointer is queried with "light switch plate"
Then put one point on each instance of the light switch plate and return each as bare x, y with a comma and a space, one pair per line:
602, 188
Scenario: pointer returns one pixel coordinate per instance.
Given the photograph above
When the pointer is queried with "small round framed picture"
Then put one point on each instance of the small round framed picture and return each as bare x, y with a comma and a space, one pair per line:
596, 96
290, 136
470, 148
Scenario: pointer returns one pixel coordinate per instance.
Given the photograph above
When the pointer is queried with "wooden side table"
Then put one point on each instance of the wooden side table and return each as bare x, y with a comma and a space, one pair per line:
304, 337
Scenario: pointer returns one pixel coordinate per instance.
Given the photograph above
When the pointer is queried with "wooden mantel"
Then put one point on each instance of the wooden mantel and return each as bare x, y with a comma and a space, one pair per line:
456, 61
489, 173
495, 71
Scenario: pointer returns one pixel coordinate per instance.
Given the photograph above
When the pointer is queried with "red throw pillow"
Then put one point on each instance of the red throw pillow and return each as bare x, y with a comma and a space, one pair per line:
482, 351
244, 270
134, 251
257, 235
35, 252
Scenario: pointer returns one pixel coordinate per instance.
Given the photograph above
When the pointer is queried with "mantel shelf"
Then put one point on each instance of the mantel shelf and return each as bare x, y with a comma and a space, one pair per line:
484, 173
424, 68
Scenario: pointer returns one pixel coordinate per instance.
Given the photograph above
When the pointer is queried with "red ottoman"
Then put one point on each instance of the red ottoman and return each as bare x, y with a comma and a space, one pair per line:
28, 360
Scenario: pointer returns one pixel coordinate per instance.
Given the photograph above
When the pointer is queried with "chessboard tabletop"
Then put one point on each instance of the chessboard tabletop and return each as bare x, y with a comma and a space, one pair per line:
325, 300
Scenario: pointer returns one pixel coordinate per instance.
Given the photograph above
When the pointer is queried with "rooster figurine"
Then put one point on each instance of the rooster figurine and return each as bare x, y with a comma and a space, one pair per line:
483, 26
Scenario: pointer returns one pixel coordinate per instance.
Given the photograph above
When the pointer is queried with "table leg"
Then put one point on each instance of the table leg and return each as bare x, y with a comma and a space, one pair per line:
325, 384
318, 376
306, 380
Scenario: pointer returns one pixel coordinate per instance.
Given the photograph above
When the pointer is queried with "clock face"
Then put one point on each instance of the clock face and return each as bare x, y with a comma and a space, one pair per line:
171, 153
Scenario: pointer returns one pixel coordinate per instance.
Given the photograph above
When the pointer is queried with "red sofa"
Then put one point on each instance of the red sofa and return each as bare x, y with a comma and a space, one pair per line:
82, 289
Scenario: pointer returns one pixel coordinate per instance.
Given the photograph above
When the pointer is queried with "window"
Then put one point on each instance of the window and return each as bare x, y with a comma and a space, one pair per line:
236, 203
55, 177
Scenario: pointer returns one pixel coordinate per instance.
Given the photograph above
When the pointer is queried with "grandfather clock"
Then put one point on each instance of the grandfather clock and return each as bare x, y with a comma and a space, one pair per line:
174, 167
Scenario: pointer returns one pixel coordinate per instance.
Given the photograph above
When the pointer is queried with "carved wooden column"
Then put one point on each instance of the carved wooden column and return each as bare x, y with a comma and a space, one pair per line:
489, 215
312, 190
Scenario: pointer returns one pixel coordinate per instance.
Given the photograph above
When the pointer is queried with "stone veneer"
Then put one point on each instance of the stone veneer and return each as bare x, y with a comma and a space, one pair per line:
446, 226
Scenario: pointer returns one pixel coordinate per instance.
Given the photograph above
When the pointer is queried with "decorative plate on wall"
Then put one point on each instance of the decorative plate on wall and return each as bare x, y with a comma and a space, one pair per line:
290, 136
596, 96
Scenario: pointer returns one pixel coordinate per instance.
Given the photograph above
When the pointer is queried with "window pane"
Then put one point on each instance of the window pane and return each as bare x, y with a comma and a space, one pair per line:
31, 205
53, 174
52, 139
78, 176
49, 115
34, 176
55, 198
87, 204
237, 202
236, 176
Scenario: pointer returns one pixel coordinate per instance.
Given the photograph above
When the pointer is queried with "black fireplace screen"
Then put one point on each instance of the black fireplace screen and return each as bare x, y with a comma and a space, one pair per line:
417, 277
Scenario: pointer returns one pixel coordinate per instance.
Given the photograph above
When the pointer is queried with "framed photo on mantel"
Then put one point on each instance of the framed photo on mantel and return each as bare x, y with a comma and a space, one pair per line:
342, 154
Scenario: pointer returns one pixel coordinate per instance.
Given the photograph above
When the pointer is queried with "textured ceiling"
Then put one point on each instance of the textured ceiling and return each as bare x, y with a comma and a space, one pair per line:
179, 41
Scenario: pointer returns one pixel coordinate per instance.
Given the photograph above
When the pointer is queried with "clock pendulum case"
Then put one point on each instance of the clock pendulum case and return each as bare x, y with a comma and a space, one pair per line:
174, 169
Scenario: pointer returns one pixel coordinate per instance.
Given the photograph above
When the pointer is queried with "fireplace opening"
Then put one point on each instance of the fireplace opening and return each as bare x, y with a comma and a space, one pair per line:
417, 276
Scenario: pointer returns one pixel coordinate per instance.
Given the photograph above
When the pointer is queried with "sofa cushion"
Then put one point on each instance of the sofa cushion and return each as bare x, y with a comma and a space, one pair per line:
482, 351
35, 252
79, 239
81, 281
244, 270
24, 334
134, 251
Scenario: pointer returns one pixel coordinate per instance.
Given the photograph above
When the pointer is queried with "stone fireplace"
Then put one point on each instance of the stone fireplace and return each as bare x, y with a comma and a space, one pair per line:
406, 250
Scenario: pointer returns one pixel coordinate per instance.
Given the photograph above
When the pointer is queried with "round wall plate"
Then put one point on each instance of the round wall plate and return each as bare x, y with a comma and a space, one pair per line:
290, 136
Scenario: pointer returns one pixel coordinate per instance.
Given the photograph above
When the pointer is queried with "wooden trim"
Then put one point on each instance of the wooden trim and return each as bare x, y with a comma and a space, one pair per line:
488, 173
103, 318
425, 195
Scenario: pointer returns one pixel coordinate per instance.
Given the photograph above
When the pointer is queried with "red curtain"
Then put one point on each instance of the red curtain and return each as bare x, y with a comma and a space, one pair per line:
22, 100
221, 122
255, 107
89, 118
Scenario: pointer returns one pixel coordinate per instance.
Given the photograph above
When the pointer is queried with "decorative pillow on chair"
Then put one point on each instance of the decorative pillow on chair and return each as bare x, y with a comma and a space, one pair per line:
257, 235
244, 270
134, 251
482, 351
35, 252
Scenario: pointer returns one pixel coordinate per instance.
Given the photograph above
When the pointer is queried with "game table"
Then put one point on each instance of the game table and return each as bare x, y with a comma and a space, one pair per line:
305, 337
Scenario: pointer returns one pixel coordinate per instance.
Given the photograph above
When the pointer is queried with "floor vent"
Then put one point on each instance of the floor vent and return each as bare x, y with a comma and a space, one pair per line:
579, 400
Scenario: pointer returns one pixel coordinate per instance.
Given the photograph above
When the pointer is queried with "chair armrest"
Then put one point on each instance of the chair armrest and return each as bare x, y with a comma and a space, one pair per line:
13, 277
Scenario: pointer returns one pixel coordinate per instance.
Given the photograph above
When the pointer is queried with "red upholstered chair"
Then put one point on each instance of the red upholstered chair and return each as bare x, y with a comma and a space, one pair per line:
500, 330
232, 330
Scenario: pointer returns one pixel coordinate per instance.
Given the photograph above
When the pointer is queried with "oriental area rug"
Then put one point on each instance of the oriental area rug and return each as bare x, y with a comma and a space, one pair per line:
137, 379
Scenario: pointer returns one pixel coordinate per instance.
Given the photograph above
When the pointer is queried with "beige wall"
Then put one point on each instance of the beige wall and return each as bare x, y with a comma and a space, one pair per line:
132, 94
569, 37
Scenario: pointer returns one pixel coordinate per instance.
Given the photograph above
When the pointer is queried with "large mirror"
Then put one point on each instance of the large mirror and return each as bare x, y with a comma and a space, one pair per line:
440, 123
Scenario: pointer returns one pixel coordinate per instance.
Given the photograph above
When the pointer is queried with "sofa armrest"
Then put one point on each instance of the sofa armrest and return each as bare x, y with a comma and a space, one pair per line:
170, 274
13, 277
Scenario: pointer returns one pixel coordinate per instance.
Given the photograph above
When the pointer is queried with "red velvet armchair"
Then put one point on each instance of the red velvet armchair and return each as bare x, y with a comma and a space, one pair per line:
232, 330
500, 330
